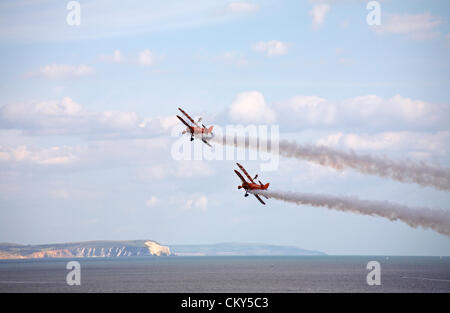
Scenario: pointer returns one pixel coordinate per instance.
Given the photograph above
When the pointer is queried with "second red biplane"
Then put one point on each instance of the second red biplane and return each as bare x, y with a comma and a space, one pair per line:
194, 129
249, 186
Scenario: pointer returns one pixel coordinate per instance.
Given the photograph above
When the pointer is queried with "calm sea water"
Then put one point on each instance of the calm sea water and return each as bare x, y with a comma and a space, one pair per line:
229, 274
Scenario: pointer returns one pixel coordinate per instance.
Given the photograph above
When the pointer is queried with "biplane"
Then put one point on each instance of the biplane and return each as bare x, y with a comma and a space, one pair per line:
249, 186
194, 129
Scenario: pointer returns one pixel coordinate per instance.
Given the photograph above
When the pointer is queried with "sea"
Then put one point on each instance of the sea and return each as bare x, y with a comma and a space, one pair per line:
234, 274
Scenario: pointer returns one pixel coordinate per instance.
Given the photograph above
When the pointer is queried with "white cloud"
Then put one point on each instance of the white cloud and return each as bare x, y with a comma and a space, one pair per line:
364, 112
368, 113
165, 123
250, 107
153, 201
66, 106
241, 7
194, 203
312, 110
146, 58
67, 117
192, 169
62, 71
151, 173
318, 13
135, 153
436, 143
233, 58
273, 47
119, 120
43, 156
201, 203
116, 57
179, 169
415, 26
143, 58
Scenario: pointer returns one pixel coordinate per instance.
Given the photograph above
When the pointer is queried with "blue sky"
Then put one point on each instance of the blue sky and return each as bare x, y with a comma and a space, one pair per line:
86, 114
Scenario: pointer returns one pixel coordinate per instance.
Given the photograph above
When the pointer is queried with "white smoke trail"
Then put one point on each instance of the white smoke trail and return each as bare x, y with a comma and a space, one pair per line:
400, 170
436, 219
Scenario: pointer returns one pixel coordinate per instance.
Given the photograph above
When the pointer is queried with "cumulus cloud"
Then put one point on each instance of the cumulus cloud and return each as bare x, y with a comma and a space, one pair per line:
271, 48
240, 7
318, 13
153, 201
140, 153
146, 58
115, 57
414, 26
198, 202
437, 143
67, 117
62, 71
368, 112
234, 58
178, 169
43, 156
310, 109
251, 107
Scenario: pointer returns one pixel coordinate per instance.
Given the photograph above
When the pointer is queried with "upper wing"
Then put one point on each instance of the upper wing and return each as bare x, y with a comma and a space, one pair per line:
240, 176
260, 200
245, 172
183, 121
190, 118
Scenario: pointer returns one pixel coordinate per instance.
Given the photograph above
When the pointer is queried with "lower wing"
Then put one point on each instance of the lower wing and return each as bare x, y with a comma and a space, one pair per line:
260, 200
207, 143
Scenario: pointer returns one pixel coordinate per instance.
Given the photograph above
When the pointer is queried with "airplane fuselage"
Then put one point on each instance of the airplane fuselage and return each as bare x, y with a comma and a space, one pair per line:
251, 186
199, 130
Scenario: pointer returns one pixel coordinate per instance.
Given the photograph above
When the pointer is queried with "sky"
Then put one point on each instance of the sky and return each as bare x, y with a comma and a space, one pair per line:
88, 125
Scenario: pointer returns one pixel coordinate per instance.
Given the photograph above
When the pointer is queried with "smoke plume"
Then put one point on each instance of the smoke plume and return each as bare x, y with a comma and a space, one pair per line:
436, 219
406, 171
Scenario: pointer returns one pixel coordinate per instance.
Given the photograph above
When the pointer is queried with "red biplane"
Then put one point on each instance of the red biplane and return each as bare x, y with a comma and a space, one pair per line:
251, 185
194, 128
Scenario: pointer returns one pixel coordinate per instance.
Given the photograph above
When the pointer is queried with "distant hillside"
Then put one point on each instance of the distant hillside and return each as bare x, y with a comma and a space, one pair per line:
127, 248
239, 249
83, 249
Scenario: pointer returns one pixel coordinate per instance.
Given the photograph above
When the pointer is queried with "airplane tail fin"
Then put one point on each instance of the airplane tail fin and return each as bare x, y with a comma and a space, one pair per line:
266, 185
210, 129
